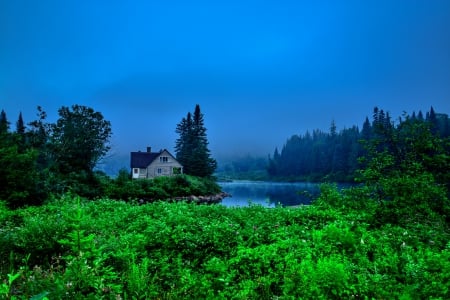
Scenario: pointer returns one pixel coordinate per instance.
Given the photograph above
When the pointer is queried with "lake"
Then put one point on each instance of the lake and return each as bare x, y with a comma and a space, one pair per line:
268, 193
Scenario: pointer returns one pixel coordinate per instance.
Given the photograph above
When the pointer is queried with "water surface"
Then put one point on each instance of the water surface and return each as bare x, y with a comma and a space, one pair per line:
268, 193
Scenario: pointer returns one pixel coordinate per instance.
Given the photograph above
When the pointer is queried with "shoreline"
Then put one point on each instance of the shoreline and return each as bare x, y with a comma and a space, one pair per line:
205, 199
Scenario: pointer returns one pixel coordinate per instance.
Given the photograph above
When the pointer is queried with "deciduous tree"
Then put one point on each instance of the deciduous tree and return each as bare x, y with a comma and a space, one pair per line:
79, 139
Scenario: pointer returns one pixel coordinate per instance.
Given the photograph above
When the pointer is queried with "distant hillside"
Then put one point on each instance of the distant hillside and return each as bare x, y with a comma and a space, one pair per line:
242, 167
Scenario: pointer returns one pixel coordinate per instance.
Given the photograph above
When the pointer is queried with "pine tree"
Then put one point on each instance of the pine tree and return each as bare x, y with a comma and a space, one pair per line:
446, 127
366, 130
375, 117
184, 142
20, 126
420, 116
20, 131
203, 164
191, 147
4, 124
432, 119
333, 129
381, 119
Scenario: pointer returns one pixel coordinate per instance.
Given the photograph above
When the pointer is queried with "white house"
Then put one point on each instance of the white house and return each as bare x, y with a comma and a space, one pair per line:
153, 164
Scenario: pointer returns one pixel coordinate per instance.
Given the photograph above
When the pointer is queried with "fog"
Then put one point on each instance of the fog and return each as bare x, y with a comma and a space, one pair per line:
261, 72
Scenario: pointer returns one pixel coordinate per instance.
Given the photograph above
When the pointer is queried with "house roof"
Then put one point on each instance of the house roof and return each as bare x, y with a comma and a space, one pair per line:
142, 159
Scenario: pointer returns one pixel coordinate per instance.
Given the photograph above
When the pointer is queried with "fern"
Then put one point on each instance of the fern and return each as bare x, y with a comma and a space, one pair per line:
86, 272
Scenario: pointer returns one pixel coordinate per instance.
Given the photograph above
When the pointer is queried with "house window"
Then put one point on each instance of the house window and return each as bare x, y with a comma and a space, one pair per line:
163, 159
159, 171
135, 170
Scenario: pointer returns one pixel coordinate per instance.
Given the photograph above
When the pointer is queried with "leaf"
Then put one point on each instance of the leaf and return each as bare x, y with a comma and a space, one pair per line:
41, 296
11, 278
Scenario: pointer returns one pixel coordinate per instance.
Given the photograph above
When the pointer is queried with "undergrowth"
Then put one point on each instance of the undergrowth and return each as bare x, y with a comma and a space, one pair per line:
334, 249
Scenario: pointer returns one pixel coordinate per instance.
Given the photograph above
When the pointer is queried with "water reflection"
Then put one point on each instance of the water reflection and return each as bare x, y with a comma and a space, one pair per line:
269, 193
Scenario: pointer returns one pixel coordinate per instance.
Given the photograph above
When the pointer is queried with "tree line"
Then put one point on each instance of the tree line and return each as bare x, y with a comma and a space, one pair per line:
51, 158
41, 159
334, 155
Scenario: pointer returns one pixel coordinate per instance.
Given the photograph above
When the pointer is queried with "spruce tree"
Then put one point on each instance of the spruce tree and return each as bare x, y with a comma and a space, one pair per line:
420, 116
432, 119
192, 145
183, 144
333, 129
366, 130
20, 126
4, 124
20, 131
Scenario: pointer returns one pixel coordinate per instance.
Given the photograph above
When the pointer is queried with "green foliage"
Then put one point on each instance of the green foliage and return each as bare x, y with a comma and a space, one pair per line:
4, 124
337, 156
52, 158
21, 182
86, 273
386, 238
108, 249
160, 188
405, 173
5, 288
192, 146
79, 139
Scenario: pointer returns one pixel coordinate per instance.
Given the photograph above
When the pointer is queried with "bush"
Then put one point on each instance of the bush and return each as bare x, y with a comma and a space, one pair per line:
161, 188
114, 249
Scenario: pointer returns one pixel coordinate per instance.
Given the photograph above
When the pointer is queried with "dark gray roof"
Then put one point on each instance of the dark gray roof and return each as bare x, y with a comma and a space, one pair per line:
142, 159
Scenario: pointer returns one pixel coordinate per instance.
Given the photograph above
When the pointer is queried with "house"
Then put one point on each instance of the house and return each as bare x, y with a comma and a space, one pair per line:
153, 164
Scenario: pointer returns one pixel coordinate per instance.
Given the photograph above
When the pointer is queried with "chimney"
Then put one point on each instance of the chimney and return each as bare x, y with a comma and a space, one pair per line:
149, 149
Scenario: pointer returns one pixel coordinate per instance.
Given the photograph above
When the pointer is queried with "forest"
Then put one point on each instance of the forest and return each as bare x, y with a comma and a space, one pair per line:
335, 156
77, 234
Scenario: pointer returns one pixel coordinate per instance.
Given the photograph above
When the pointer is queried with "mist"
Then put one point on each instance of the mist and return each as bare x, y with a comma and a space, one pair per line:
261, 72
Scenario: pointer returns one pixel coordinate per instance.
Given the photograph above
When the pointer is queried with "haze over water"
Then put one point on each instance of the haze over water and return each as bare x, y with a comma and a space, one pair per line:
268, 194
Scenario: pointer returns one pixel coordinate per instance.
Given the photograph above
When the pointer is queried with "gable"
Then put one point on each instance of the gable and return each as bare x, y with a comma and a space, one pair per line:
166, 153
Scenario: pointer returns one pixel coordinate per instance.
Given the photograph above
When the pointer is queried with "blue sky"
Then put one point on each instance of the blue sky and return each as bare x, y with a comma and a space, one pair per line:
260, 70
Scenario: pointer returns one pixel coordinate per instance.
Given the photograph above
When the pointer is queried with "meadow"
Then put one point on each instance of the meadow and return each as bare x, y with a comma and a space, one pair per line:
340, 247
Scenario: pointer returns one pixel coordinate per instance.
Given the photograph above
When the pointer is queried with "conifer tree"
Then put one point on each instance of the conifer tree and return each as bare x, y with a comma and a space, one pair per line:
333, 129
432, 119
20, 131
20, 126
366, 130
420, 116
4, 124
184, 142
272, 168
192, 145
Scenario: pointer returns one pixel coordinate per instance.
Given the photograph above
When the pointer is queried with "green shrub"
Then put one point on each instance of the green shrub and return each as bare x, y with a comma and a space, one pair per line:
104, 249
160, 188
